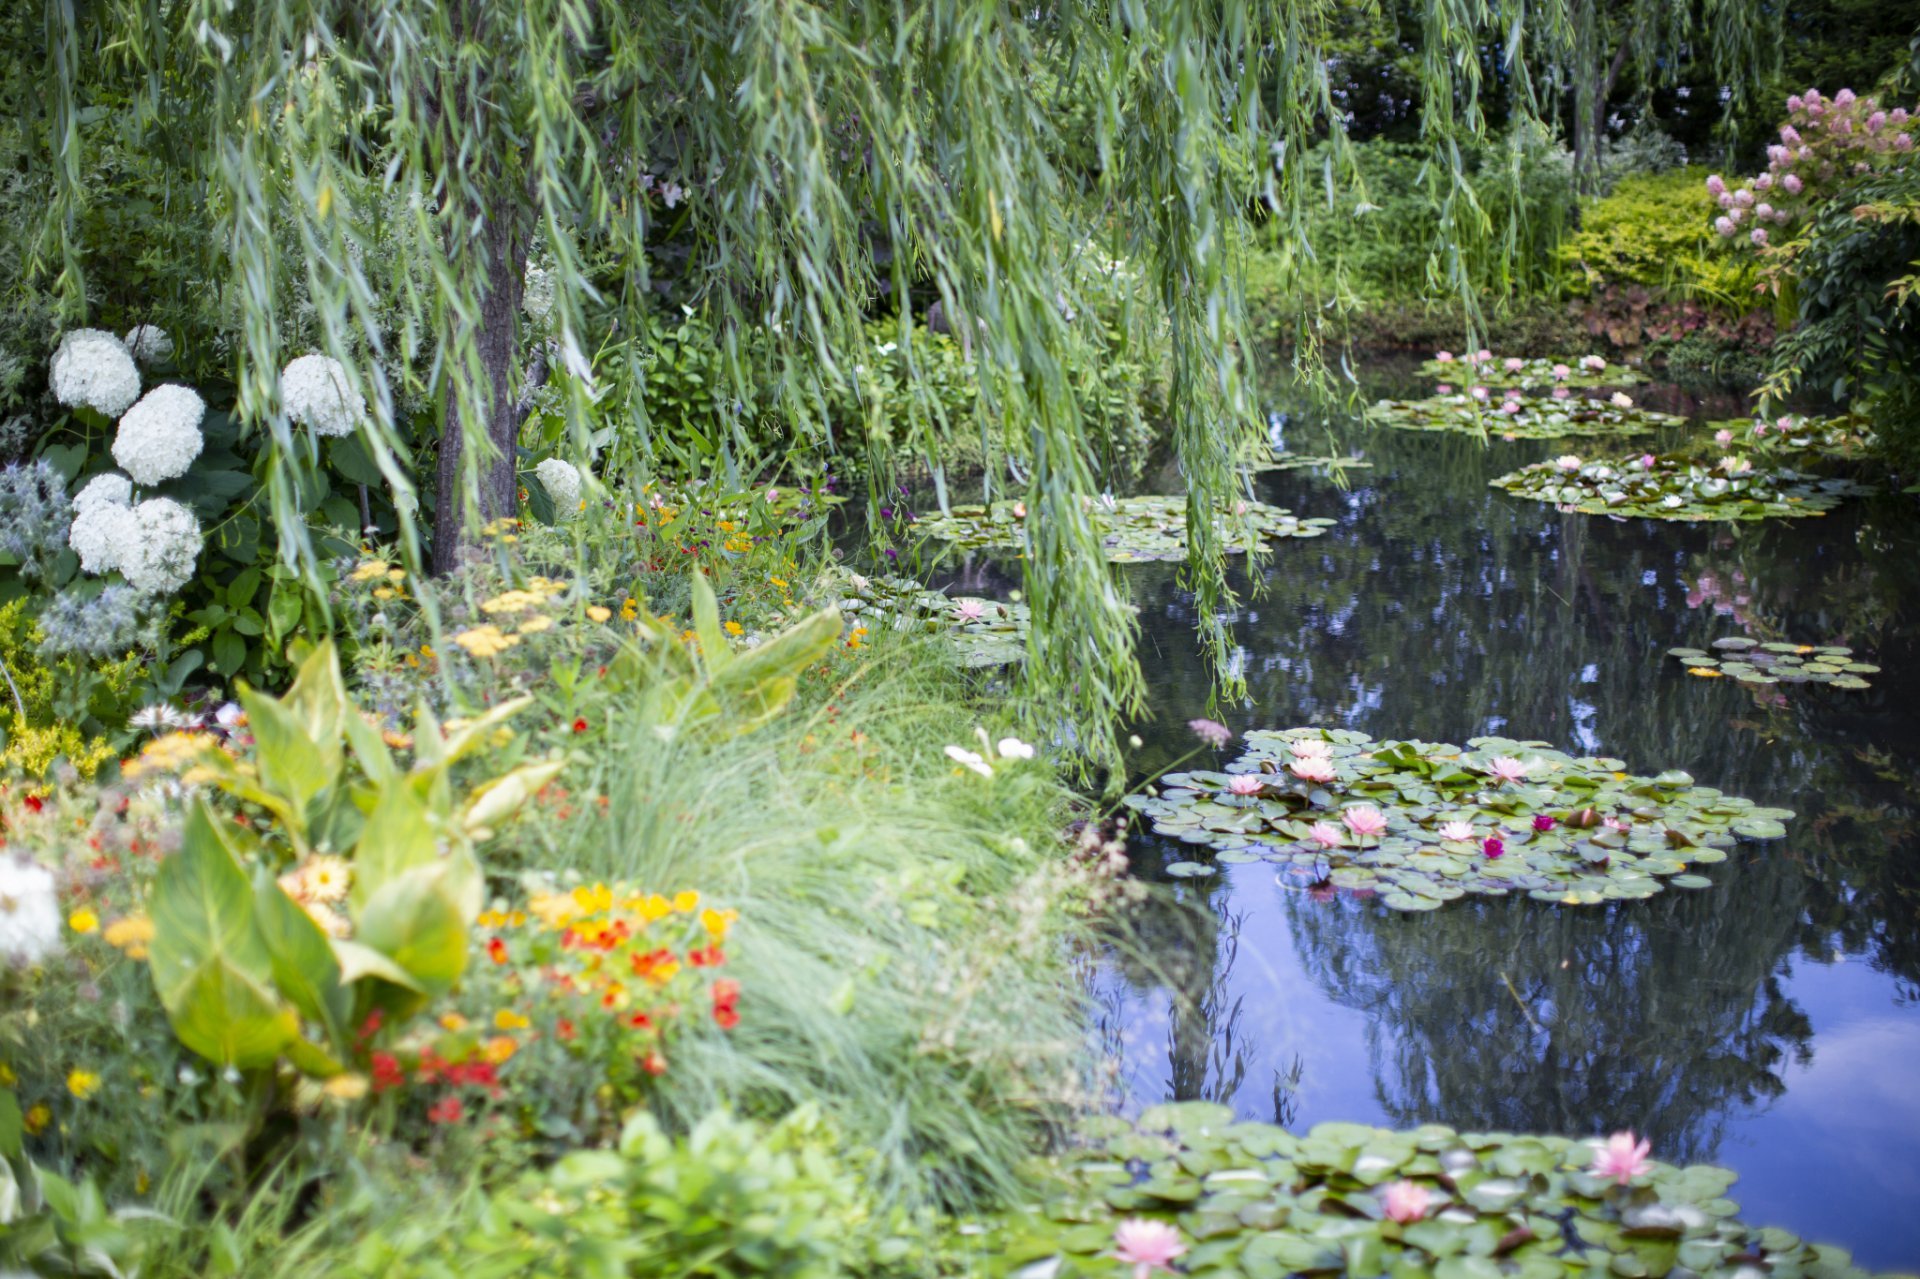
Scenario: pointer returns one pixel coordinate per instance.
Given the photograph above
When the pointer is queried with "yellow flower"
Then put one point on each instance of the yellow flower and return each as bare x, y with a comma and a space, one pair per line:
37, 1118
734, 628
83, 1084
368, 571
485, 641
686, 903
535, 624
656, 907
501, 1048
1705, 672
507, 1019
83, 921
511, 602
716, 922
130, 933
599, 613
453, 1022
7, 1078
348, 1087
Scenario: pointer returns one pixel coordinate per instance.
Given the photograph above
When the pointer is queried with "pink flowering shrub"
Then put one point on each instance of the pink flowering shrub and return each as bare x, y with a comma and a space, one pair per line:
1825, 142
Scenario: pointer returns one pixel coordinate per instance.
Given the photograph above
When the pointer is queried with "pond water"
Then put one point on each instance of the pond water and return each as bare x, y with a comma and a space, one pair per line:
1770, 1023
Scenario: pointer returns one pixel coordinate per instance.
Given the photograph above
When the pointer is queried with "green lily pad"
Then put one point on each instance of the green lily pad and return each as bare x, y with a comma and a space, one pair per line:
1777, 662
1132, 529
1424, 823
1522, 371
984, 632
1521, 417
1286, 460
1678, 487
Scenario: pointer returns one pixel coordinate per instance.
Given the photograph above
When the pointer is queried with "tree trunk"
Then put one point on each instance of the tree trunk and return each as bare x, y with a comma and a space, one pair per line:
505, 255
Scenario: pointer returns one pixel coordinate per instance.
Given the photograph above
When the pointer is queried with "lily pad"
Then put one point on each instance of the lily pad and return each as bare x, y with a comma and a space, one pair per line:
1286, 460
1677, 487
1424, 823
1843, 436
1523, 371
1253, 1200
1520, 417
1131, 528
984, 632
1777, 662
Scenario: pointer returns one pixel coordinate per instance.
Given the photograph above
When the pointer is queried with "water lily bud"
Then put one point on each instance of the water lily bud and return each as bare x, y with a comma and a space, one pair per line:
1584, 819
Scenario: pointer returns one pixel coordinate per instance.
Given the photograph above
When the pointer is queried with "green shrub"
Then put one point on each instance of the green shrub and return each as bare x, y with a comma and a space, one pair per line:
1655, 229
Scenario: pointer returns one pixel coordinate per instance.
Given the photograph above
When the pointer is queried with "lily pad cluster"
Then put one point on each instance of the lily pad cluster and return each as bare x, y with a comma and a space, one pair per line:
1534, 371
1520, 417
1676, 487
1425, 823
1287, 460
1842, 437
1254, 1201
1752, 662
1131, 528
985, 632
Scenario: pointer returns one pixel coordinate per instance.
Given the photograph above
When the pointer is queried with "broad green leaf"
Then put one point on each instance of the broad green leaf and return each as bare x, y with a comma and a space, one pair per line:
303, 964
398, 836
419, 920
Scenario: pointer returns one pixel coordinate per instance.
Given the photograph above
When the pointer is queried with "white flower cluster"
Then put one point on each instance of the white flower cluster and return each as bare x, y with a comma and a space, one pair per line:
316, 392
29, 913
92, 369
160, 436
537, 292
149, 343
154, 545
561, 480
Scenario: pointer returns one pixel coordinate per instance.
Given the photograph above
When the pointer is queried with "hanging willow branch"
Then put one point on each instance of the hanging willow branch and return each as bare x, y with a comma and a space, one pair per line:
800, 168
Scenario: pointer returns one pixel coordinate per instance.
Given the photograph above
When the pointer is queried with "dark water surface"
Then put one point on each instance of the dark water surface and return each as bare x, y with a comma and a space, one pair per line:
1770, 1023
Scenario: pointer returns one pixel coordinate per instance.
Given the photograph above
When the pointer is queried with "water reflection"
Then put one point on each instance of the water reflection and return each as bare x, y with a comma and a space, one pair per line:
1742, 1023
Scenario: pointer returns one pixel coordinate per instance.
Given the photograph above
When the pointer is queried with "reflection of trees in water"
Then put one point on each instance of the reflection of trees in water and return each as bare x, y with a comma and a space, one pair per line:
1663, 1016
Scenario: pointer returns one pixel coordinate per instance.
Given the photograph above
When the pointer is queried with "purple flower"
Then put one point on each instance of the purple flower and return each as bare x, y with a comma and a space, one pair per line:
1212, 732
1543, 823
1793, 184
1716, 185
1494, 847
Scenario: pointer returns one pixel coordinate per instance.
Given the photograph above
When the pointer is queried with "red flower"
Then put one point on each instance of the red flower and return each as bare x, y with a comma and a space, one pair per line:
371, 1026
497, 951
386, 1072
645, 964
706, 957
654, 1064
726, 1003
580, 725
640, 1021
564, 1029
34, 804
446, 1111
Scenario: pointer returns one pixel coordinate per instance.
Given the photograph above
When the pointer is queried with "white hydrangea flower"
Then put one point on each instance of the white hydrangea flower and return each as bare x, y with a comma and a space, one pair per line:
101, 534
109, 488
149, 343
537, 292
29, 913
160, 436
561, 480
165, 547
92, 369
316, 392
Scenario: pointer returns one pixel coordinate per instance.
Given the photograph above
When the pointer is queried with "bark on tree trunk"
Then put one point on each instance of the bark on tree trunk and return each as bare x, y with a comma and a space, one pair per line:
506, 257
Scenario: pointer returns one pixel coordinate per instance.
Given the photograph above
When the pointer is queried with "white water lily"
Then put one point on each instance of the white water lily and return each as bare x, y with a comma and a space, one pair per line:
1621, 400
1567, 462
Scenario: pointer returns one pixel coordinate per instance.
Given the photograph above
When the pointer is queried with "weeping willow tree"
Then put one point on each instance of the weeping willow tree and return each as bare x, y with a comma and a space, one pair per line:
393, 168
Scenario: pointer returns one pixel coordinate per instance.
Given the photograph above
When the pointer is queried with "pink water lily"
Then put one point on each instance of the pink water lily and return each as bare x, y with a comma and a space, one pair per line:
1494, 847
1621, 400
1561, 372
1311, 746
1511, 406
1244, 784
1478, 392
1456, 830
1443, 357
1405, 1201
1514, 364
969, 610
1593, 362
1622, 1158
1543, 823
1327, 835
1313, 768
1723, 437
1567, 462
1364, 821
1147, 1246
1614, 823
1507, 769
